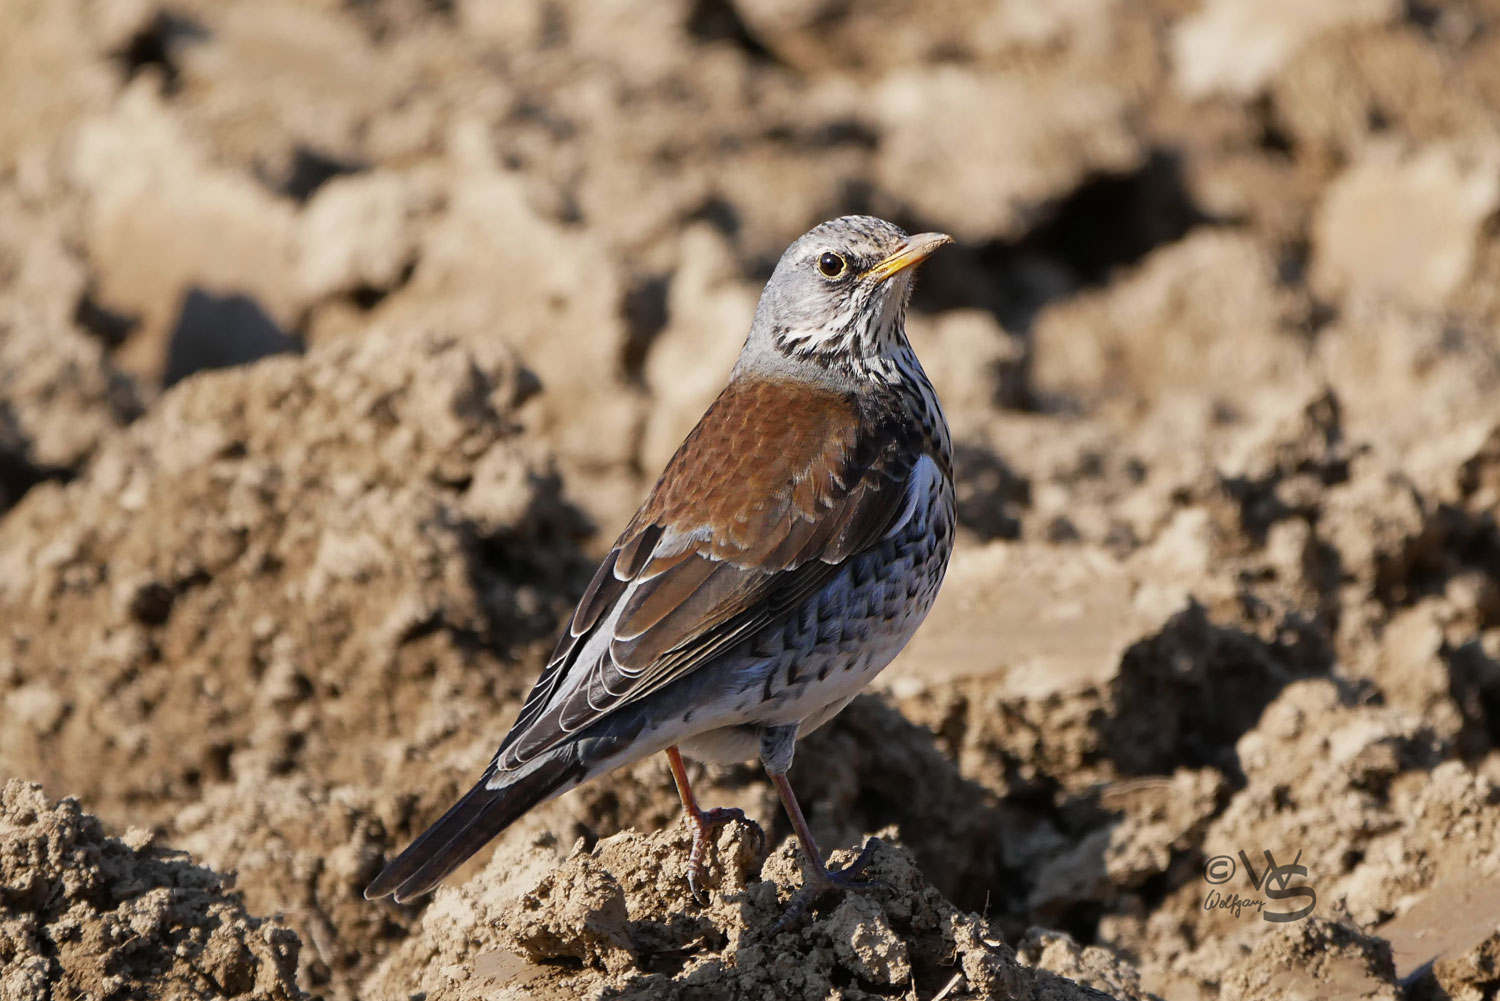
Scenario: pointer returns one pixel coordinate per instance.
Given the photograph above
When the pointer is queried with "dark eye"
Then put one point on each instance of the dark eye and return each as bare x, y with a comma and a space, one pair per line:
831, 264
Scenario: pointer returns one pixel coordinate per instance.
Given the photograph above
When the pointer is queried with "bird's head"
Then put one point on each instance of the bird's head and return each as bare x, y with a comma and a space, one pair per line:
837, 298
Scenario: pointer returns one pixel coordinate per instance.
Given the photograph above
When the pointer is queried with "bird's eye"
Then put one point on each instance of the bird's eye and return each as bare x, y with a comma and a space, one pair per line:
832, 265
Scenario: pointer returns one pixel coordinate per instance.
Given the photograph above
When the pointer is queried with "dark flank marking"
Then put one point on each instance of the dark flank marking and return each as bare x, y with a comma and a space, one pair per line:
794, 480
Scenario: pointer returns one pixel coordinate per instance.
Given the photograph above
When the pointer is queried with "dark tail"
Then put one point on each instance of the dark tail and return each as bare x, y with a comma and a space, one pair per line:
469, 825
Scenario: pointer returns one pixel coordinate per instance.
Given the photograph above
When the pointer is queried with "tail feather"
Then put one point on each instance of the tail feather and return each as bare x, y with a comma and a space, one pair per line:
469, 825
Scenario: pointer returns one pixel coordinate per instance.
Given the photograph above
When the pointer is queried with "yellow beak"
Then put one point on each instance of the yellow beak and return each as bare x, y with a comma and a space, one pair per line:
918, 248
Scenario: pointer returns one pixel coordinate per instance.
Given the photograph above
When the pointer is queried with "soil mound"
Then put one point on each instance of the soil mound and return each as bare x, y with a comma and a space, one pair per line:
85, 915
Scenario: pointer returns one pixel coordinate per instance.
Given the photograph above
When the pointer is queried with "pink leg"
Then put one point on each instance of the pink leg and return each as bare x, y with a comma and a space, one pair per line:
819, 877
703, 822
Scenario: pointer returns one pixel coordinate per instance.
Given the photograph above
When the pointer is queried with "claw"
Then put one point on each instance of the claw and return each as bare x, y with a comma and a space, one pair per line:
703, 825
818, 879
703, 822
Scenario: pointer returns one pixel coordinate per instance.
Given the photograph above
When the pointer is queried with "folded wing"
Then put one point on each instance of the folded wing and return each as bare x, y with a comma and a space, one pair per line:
775, 488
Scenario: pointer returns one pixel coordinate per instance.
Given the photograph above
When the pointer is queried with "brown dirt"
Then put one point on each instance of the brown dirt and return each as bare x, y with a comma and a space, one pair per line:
337, 339
612, 918
83, 914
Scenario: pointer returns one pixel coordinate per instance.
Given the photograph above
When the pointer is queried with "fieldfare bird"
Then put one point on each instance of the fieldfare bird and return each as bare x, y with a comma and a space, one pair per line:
788, 552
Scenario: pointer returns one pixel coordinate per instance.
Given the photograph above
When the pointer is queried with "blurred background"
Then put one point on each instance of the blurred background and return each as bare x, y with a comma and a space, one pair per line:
339, 337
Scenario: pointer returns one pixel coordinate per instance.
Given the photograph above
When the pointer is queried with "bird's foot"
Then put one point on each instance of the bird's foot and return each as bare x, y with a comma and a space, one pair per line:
818, 879
703, 825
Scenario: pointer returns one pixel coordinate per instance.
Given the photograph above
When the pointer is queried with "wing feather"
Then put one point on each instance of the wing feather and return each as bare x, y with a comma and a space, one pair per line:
772, 492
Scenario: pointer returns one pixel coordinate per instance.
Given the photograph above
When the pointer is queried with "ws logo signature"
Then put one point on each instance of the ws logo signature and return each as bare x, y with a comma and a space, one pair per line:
1274, 881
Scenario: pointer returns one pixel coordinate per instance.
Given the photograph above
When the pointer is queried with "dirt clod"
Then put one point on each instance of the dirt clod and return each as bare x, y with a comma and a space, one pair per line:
85, 915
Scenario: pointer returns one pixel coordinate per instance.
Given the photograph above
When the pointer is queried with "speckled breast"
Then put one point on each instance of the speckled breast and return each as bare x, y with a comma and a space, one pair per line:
831, 646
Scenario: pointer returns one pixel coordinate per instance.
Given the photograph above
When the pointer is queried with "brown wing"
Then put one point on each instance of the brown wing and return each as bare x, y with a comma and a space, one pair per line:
775, 488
